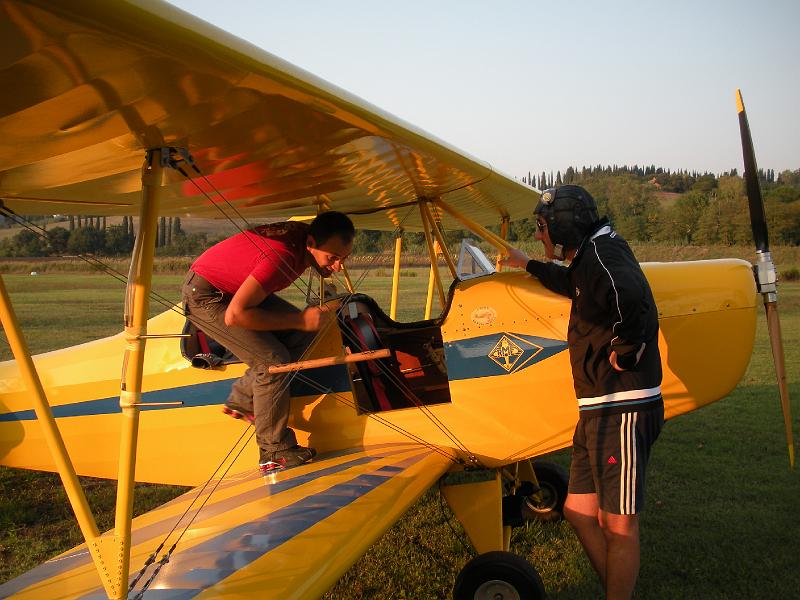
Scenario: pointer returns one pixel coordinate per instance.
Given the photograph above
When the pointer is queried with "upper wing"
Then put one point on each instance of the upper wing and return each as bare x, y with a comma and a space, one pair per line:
289, 535
87, 87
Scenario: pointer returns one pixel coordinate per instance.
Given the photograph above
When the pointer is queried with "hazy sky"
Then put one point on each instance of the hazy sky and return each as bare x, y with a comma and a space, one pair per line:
533, 86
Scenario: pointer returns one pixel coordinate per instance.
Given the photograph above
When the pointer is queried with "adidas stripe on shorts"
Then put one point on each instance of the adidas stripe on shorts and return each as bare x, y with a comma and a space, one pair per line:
609, 457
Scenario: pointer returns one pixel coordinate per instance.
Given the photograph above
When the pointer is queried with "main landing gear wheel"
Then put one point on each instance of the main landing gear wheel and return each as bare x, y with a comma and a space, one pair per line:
498, 576
553, 482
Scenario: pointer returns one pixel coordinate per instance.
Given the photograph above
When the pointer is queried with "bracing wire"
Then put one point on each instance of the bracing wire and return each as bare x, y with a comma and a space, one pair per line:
283, 264
151, 559
387, 372
211, 330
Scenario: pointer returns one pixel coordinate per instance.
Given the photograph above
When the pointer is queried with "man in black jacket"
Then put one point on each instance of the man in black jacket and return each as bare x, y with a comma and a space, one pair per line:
616, 369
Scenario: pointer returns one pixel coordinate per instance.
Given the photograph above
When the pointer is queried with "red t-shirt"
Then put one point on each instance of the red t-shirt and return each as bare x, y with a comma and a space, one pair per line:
274, 254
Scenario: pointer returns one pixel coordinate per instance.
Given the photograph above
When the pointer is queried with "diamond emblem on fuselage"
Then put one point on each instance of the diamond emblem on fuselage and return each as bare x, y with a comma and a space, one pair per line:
506, 353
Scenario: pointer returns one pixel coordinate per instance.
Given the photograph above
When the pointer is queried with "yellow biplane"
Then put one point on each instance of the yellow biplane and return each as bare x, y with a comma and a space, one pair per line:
136, 108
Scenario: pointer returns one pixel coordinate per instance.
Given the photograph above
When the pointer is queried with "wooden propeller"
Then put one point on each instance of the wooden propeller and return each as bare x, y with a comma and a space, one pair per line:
766, 275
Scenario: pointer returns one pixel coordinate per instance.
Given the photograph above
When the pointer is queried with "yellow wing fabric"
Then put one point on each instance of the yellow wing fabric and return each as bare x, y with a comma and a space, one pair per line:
288, 535
87, 87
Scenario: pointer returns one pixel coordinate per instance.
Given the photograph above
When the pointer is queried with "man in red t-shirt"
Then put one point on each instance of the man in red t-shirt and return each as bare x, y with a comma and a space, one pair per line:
229, 293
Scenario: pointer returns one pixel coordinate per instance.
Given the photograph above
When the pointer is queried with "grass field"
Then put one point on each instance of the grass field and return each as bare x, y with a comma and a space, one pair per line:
786, 257
720, 521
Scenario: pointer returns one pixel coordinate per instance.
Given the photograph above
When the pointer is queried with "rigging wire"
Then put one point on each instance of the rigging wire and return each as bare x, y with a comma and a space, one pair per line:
151, 559
165, 558
323, 390
212, 329
387, 372
296, 374
283, 263
392, 377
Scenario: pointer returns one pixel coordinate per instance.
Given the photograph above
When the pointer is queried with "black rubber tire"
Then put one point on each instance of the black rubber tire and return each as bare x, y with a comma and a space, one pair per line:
496, 575
554, 482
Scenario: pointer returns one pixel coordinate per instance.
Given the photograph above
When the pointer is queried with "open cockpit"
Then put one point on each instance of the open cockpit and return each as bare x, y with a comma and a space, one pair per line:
414, 374
413, 371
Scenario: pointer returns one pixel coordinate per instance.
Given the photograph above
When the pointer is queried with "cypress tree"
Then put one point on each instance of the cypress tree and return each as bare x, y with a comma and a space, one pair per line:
162, 224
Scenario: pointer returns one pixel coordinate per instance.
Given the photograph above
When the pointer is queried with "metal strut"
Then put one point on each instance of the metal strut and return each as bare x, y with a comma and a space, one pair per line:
137, 311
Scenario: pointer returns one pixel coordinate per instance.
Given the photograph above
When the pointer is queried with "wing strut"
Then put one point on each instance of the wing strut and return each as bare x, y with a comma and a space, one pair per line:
766, 276
110, 552
138, 305
47, 422
434, 261
398, 248
439, 236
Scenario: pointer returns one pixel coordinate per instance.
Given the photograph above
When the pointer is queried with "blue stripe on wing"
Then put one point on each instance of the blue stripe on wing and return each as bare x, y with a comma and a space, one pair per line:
80, 555
202, 566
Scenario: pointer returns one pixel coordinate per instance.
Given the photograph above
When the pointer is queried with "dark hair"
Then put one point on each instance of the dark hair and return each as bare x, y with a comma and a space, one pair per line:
331, 223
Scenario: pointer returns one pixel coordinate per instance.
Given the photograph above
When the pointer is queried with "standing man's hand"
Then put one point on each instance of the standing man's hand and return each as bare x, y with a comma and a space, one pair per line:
628, 361
314, 318
515, 258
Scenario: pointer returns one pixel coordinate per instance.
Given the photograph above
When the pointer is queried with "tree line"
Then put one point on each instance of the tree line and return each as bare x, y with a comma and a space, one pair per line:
654, 204
679, 181
72, 235
643, 204
649, 204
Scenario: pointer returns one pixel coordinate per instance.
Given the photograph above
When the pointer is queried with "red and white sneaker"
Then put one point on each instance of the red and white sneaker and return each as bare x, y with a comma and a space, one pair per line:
237, 412
284, 459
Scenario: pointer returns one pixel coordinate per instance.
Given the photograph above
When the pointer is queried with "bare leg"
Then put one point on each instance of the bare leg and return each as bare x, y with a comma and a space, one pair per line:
622, 557
611, 542
582, 512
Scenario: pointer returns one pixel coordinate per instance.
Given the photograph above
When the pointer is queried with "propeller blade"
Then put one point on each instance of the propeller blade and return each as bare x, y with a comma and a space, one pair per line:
758, 218
776, 342
766, 275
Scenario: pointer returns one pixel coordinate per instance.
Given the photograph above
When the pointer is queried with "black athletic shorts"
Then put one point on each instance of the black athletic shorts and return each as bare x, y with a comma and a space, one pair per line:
609, 457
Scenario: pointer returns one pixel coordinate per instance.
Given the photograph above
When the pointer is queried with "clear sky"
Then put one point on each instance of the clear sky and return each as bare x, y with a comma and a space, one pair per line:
539, 86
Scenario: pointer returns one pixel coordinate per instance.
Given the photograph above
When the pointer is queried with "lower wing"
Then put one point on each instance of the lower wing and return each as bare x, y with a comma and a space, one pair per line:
291, 534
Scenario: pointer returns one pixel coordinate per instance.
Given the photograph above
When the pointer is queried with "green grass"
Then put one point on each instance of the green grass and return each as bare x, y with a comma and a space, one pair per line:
720, 521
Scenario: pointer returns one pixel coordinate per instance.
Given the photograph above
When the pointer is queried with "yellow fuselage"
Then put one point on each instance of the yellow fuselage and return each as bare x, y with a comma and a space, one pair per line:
511, 394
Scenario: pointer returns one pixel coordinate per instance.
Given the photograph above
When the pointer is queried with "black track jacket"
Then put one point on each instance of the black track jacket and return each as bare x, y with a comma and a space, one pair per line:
612, 309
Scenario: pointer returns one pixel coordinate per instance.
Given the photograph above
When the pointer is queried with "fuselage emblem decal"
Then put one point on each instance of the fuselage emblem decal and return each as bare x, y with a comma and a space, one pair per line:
506, 353
497, 354
484, 315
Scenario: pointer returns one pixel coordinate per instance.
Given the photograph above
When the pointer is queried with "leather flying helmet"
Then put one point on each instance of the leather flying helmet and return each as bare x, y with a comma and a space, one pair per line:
570, 213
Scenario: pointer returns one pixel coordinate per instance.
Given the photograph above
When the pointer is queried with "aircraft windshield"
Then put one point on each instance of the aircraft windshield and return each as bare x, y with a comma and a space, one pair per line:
472, 262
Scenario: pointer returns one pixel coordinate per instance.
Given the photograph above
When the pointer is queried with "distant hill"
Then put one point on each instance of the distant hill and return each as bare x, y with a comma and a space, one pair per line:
667, 199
